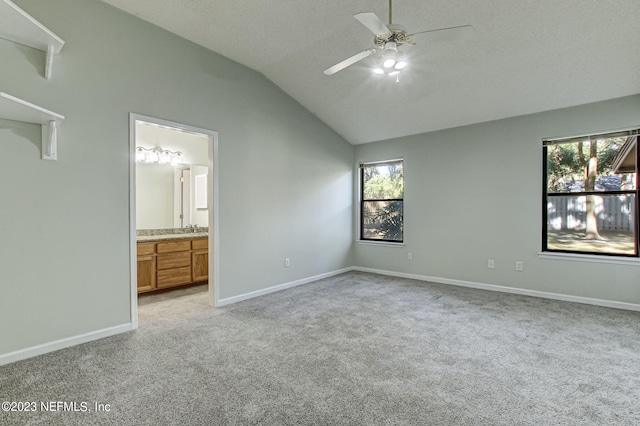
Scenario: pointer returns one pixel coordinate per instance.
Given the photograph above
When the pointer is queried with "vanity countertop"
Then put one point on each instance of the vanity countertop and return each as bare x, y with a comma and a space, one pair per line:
165, 237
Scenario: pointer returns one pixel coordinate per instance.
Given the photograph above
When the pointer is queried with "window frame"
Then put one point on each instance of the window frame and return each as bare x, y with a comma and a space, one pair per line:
633, 131
362, 201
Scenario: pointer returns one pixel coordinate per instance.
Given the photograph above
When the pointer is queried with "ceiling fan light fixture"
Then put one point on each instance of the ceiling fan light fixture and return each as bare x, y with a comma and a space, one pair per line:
400, 65
389, 37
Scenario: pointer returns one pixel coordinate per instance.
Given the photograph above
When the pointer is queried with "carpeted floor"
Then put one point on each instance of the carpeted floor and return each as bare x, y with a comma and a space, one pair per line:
172, 305
355, 349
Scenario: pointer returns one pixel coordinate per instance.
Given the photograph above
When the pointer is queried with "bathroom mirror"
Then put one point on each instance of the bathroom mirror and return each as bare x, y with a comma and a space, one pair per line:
171, 197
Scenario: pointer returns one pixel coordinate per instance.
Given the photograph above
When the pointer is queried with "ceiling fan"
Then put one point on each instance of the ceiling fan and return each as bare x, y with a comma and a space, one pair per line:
388, 39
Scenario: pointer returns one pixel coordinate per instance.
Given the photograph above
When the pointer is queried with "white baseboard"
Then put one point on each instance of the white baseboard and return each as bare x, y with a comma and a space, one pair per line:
106, 332
62, 343
44, 348
504, 289
257, 293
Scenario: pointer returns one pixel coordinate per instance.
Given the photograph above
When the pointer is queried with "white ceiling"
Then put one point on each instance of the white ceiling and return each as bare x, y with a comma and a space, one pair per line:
527, 56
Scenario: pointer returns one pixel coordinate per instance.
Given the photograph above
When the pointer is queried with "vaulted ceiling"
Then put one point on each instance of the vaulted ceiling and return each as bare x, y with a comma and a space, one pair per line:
527, 56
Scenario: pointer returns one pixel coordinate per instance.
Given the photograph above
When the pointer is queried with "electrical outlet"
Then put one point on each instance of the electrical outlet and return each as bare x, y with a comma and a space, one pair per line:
519, 266
491, 264
287, 262
410, 256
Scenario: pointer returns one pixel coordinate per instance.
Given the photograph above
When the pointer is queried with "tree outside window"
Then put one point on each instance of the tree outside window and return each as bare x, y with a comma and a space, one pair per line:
590, 193
382, 201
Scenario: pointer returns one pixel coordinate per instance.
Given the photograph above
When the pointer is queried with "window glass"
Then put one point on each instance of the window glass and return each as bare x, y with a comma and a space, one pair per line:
382, 201
591, 195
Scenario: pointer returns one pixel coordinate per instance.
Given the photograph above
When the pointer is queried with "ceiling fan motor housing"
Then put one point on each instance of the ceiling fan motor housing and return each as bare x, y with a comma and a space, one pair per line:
397, 35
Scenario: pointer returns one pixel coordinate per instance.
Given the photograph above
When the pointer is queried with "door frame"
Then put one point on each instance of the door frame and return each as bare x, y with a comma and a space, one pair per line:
212, 204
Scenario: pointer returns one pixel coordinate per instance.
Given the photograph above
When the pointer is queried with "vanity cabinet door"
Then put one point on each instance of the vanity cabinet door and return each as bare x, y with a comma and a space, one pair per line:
200, 265
146, 273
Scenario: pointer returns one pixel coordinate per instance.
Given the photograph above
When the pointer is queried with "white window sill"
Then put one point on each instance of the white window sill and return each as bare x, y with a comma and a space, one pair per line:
379, 243
632, 261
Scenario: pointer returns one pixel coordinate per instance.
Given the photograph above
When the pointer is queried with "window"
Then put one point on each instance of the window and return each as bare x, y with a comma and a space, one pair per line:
591, 194
382, 201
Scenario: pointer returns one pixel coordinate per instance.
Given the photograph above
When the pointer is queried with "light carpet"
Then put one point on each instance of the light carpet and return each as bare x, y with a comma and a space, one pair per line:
354, 349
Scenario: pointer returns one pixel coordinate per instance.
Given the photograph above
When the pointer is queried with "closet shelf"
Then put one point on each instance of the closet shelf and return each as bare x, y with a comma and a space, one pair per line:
16, 109
18, 26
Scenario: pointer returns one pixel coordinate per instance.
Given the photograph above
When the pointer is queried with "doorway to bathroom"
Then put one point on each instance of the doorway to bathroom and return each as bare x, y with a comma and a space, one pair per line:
173, 216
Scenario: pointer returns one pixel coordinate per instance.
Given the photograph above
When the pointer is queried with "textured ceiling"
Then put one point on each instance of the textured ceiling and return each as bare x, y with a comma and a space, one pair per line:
527, 56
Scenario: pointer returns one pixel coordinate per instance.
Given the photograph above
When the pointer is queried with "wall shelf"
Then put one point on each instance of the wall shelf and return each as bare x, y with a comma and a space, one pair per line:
16, 109
18, 26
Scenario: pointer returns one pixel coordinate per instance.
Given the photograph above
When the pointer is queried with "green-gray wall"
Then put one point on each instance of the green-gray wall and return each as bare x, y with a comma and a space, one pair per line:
473, 193
284, 177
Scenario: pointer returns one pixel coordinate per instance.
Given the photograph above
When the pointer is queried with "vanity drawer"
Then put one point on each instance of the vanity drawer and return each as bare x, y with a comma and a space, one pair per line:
200, 243
171, 246
175, 276
173, 260
146, 248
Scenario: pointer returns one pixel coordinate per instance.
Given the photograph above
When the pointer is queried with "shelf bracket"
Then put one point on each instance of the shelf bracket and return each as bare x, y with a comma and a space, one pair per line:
49, 64
50, 141
18, 26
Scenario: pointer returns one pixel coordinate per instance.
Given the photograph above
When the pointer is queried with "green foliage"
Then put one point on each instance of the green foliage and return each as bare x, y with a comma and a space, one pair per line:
391, 218
384, 181
564, 165
383, 220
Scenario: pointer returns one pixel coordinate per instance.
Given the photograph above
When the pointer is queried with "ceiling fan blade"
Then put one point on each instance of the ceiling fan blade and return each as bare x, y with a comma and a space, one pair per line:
464, 32
349, 61
372, 22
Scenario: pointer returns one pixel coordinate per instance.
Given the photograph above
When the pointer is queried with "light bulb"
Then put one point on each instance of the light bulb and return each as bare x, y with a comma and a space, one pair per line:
378, 71
151, 157
400, 65
165, 157
394, 73
389, 62
176, 159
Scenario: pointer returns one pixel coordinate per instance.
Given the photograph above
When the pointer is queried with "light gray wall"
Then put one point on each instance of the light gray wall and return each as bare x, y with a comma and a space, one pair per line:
284, 177
474, 193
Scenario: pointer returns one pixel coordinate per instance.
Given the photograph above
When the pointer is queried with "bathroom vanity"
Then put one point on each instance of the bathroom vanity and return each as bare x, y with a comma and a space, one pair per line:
172, 260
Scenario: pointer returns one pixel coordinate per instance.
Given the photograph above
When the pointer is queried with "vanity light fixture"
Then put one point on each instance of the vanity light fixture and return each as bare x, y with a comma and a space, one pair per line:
158, 155
176, 159
139, 155
164, 157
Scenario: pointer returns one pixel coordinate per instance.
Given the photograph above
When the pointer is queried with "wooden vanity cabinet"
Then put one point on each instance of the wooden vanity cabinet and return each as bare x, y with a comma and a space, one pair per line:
172, 263
200, 259
146, 267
